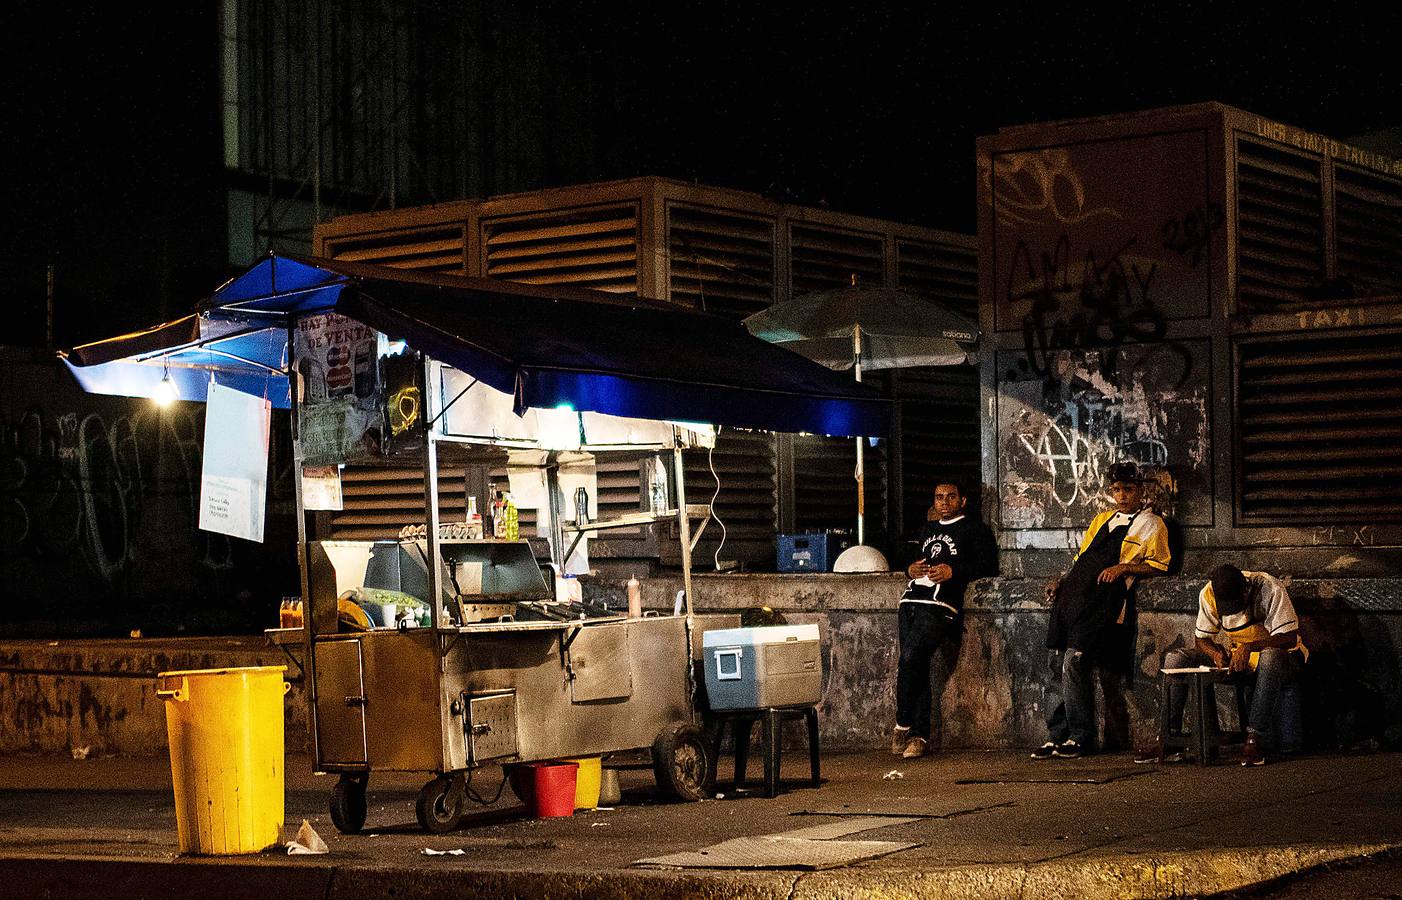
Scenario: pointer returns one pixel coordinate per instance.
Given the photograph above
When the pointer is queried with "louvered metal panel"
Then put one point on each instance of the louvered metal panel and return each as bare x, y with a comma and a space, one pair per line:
1320, 428
439, 249
1368, 231
825, 491
379, 501
595, 248
722, 253
939, 434
945, 272
747, 503
1280, 227
719, 262
828, 257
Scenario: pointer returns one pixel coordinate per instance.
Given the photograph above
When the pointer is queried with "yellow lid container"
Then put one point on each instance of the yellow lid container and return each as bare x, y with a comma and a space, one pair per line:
225, 732
586, 782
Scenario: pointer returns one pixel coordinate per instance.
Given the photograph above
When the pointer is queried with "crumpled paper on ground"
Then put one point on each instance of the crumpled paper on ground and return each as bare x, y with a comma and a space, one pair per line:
429, 851
892, 775
307, 841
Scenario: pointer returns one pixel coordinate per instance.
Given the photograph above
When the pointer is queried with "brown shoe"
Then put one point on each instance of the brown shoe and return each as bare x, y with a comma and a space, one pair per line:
1251, 752
1154, 753
915, 748
899, 738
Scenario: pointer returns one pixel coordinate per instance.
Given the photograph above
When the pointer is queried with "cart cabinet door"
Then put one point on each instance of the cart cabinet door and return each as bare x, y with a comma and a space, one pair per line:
601, 664
340, 703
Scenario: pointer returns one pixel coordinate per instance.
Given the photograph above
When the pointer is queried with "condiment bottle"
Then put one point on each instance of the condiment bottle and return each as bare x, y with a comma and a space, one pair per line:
513, 524
498, 517
635, 598
474, 519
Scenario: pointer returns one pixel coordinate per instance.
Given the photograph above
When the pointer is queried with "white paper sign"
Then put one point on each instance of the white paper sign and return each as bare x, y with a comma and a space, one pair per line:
321, 487
234, 480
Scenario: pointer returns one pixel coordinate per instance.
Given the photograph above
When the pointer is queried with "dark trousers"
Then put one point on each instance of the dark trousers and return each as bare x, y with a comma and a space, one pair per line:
1071, 712
1071, 715
923, 628
1277, 669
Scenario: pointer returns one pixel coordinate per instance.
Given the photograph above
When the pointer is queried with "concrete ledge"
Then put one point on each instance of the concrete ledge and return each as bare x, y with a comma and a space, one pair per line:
60, 694
825, 592
55, 695
1158, 875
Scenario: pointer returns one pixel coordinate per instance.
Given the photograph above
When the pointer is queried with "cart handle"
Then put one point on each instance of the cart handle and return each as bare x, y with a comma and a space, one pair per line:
173, 687
177, 687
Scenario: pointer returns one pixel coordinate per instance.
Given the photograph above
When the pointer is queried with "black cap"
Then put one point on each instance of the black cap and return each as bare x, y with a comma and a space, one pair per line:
1124, 471
1229, 588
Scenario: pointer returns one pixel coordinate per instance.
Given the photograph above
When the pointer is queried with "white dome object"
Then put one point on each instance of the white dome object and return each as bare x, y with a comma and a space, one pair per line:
861, 558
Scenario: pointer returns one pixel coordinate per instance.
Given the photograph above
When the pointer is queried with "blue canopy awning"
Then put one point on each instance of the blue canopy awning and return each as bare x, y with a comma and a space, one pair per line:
545, 346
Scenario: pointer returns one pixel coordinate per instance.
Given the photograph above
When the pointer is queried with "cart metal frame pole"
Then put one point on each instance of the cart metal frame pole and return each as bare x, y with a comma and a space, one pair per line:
683, 523
303, 564
434, 561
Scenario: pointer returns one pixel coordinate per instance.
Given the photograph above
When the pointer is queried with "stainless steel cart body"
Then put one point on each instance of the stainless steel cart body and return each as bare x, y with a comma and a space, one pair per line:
448, 698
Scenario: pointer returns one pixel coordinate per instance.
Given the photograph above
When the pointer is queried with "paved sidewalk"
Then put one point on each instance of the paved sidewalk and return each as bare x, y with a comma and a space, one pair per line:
988, 825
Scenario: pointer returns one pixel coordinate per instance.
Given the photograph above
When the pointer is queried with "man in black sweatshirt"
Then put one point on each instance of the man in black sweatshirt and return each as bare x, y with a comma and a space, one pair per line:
954, 550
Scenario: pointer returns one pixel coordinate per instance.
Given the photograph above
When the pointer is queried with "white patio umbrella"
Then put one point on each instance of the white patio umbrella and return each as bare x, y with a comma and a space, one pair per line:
863, 329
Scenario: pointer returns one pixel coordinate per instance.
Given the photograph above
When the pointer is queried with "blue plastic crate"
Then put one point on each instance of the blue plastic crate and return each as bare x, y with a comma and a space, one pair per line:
811, 552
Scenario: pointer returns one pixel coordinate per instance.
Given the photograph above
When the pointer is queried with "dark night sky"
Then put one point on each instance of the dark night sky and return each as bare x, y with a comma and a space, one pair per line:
868, 108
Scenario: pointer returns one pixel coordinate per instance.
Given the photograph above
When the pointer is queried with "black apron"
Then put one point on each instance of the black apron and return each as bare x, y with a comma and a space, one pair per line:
1084, 611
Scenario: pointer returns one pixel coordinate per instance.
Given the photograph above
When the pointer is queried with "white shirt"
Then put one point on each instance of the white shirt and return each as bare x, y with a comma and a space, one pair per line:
1268, 603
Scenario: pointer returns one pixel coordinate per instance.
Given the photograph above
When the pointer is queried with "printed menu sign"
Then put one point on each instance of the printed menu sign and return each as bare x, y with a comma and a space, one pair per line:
341, 413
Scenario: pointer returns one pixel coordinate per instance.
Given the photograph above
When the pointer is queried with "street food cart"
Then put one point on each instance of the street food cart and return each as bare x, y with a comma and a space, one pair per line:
503, 670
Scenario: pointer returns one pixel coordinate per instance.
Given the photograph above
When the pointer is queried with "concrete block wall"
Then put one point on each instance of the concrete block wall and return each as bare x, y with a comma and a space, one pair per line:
996, 694
57, 695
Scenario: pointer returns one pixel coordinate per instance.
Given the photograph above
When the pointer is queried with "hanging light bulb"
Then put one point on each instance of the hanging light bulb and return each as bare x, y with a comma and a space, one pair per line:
165, 393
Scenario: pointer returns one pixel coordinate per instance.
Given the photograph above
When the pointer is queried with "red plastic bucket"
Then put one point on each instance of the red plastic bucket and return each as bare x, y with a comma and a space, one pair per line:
546, 788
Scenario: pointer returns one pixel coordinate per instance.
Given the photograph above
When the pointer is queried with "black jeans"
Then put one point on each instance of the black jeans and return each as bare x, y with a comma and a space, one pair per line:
923, 628
1277, 669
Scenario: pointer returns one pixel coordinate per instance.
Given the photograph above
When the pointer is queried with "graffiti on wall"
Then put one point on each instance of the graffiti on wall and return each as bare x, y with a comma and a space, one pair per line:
1098, 249
1103, 242
76, 485
1056, 443
99, 508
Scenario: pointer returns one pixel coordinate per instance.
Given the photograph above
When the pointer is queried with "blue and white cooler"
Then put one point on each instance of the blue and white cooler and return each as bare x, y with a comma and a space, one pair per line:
755, 668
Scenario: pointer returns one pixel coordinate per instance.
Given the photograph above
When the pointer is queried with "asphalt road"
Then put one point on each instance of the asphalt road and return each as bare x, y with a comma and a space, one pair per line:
984, 824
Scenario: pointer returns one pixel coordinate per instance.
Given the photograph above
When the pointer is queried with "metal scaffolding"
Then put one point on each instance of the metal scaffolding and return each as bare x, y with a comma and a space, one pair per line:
333, 107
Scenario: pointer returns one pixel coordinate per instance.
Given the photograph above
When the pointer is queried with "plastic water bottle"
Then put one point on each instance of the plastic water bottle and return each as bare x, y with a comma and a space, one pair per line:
513, 525
635, 598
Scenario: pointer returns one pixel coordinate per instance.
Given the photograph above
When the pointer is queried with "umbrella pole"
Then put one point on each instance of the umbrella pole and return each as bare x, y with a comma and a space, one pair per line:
861, 468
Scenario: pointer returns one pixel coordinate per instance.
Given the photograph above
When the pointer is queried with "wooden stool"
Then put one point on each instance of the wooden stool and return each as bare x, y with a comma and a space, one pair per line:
1207, 733
742, 725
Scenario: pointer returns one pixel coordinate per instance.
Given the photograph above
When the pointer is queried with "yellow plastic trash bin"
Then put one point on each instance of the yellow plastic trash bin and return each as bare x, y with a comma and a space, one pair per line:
226, 756
586, 783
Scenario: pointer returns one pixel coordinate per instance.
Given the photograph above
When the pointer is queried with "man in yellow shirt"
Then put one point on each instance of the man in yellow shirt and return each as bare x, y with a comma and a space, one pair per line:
1088, 603
1264, 651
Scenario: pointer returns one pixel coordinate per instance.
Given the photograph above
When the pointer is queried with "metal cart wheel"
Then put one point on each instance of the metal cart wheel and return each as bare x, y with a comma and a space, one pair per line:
441, 804
348, 804
681, 763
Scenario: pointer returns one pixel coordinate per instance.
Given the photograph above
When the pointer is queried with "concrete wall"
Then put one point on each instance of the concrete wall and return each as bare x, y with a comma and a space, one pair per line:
61, 694
56, 696
996, 695
1122, 270
98, 514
